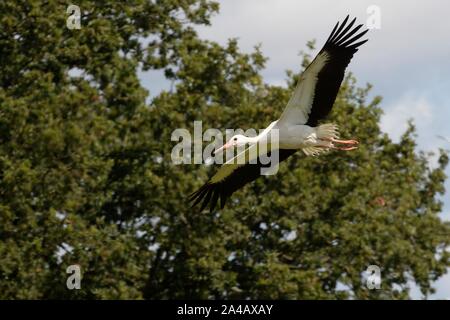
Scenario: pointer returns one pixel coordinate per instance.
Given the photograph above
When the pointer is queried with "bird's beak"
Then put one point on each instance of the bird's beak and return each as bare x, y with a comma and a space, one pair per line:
222, 148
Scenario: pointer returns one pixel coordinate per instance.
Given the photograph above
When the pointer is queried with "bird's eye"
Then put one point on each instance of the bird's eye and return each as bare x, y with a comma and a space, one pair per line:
235, 139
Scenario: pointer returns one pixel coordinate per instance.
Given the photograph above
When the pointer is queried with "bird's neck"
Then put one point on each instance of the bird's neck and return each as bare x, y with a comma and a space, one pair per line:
253, 140
262, 136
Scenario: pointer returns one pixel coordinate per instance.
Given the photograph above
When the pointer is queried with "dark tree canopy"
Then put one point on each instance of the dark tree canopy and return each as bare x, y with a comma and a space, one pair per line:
86, 176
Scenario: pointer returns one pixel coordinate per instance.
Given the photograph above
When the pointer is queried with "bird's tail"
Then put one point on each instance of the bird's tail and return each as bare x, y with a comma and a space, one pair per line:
328, 131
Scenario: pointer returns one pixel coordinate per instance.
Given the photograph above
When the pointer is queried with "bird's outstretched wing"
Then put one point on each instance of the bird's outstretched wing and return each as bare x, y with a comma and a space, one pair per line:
233, 175
319, 84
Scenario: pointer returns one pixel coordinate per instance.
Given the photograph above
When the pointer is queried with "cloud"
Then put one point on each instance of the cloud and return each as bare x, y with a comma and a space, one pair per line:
442, 288
396, 116
407, 53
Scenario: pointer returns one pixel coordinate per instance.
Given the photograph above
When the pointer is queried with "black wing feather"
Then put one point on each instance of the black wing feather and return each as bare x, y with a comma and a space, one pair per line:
209, 193
340, 48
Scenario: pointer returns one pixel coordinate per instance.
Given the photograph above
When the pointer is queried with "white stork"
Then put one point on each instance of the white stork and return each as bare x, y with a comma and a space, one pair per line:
298, 127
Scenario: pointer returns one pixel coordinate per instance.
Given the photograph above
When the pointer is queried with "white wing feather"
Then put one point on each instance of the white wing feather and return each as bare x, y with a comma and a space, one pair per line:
299, 106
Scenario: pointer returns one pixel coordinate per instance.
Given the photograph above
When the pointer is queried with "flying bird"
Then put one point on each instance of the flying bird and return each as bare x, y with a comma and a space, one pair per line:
298, 127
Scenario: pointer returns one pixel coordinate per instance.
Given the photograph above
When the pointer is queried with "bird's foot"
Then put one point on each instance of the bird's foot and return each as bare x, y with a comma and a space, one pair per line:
345, 145
348, 142
344, 148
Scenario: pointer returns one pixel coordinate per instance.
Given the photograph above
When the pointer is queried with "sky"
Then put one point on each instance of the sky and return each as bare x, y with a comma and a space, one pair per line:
407, 60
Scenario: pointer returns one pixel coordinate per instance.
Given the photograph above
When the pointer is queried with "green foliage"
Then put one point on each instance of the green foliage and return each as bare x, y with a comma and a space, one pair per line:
86, 176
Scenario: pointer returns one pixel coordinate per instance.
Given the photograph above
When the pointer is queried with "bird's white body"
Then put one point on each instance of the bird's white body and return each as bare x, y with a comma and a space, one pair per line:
297, 136
312, 140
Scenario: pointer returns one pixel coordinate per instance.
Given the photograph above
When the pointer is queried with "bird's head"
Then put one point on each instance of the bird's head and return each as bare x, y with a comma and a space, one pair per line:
236, 140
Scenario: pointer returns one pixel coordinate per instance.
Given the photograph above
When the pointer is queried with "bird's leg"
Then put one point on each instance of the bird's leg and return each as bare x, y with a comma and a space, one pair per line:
348, 142
344, 148
344, 145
